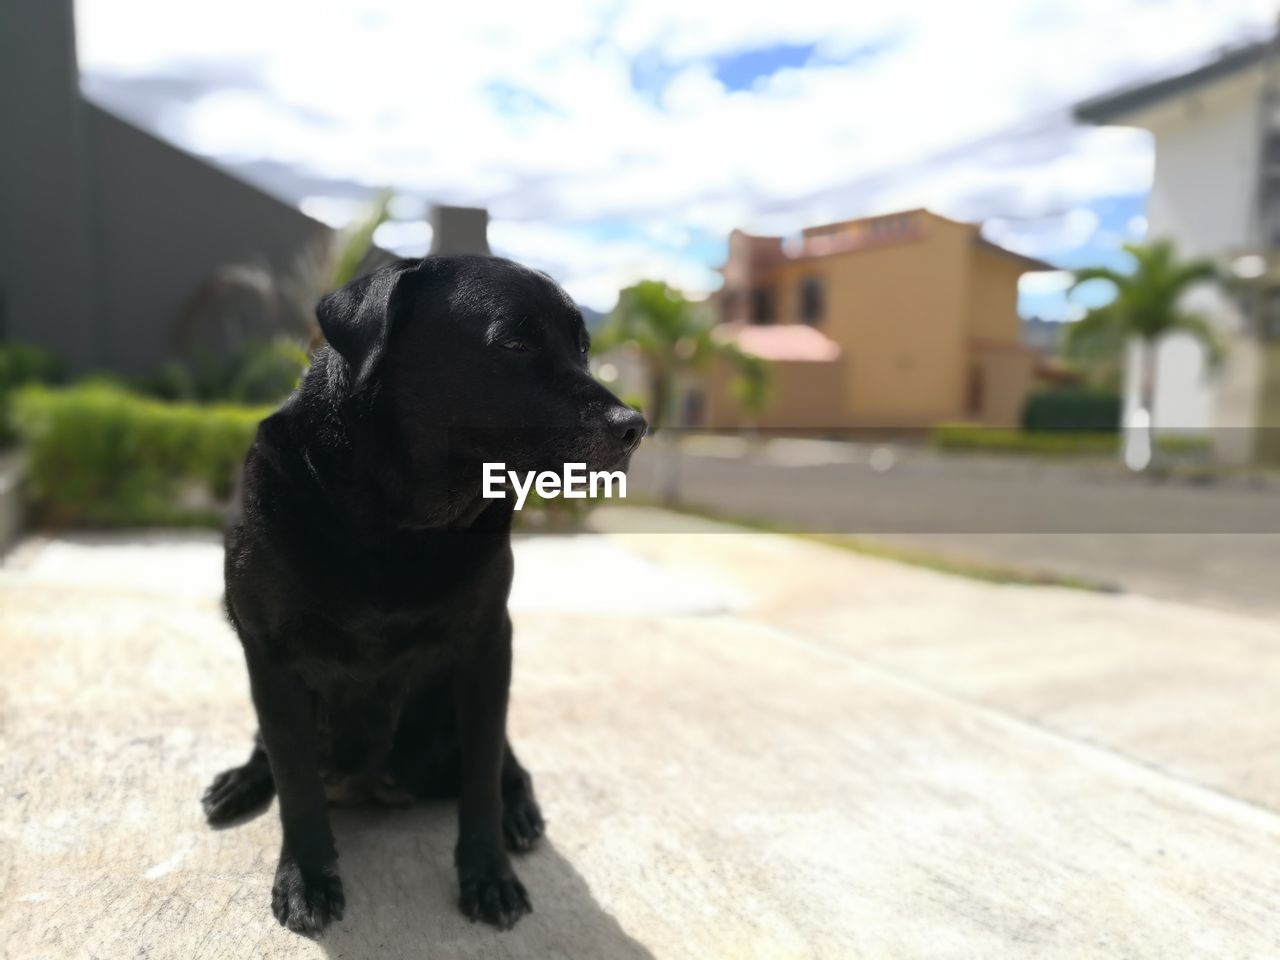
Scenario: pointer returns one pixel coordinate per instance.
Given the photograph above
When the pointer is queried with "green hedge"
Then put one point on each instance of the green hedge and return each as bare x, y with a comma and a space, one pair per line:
22, 364
967, 436
101, 456
257, 372
1076, 410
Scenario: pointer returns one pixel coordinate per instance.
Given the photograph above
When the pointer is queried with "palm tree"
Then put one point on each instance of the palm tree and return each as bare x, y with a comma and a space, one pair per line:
673, 335
1146, 308
248, 330
751, 387
332, 263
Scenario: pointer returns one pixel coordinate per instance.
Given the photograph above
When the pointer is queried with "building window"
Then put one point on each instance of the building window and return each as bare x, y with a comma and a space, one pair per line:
1271, 220
693, 408
812, 300
762, 306
1271, 317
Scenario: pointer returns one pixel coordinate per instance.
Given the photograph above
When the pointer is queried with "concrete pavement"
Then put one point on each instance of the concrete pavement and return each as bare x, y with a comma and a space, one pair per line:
1215, 543
746, 745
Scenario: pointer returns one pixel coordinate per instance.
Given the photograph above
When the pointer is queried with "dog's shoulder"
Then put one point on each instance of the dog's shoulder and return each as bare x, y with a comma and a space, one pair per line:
301, 430
276, 493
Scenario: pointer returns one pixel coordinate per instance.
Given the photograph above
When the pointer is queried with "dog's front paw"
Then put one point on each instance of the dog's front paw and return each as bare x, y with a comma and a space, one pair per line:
306, 899
497, 898
522, 823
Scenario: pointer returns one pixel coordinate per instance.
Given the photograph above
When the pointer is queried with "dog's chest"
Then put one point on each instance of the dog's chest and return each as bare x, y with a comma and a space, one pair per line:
372, 635
402, 613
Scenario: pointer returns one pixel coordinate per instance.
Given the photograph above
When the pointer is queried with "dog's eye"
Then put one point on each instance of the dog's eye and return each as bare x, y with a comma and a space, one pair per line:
515, 343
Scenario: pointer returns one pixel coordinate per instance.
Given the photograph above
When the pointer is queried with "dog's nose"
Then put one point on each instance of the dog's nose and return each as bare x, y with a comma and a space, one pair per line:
628, 426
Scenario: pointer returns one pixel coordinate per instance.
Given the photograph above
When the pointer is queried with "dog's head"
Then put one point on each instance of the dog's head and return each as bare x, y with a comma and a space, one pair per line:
475, 360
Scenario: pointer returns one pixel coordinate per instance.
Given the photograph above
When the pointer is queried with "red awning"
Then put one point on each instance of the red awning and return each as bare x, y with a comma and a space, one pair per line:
781, 342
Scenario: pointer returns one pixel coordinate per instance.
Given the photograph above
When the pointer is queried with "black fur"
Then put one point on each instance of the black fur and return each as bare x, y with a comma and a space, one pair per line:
368, 580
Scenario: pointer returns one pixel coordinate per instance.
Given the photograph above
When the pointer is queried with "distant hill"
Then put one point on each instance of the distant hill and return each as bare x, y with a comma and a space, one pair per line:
1043, 335
594, 319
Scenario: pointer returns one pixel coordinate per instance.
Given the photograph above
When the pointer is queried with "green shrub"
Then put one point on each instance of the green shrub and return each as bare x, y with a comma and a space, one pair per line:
1074, 409
261, 371
268, 372
101, 456
968, 436
22, 364
1184, 446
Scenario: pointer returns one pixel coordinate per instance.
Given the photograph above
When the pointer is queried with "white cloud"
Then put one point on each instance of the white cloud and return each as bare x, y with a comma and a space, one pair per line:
334, 211
592, 271
1045, 282
1045, 235
408, 238
401, 93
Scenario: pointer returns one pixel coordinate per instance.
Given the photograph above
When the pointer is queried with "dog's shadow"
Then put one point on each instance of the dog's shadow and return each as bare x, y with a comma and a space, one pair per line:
402, 897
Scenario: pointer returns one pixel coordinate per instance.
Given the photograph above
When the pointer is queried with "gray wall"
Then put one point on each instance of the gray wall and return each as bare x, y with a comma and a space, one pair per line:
163, 220
47, 274
105, 231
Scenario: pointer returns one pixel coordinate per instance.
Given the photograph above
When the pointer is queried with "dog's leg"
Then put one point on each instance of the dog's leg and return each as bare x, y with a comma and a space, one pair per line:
522, 823
490, 889
307, 892
240, 790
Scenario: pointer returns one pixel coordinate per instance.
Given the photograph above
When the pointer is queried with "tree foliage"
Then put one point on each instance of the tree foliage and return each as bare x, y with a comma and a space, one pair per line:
671, 335
1146, 306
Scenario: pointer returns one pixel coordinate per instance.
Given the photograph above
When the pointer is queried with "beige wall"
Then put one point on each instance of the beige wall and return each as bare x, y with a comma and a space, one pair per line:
993, 298
802, 396
1007, 377
1006, 369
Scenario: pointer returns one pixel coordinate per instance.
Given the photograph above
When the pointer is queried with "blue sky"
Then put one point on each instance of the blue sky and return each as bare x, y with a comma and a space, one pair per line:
622, 139
741, 69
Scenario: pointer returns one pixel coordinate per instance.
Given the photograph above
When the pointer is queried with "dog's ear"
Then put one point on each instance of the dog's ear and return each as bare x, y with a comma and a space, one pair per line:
357, 319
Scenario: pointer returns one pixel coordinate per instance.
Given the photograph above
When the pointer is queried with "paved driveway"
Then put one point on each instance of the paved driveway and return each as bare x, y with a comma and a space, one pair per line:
746, 746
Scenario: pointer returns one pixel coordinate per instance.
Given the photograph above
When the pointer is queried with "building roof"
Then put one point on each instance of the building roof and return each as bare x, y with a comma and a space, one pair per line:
1025, 262
1110, 107
794, 342
865, 233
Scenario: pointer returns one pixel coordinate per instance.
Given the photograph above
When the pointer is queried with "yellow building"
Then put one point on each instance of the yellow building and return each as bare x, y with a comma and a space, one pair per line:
898, 321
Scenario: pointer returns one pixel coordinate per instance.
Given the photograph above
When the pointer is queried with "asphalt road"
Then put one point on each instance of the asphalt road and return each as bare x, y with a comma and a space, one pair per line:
1214, 543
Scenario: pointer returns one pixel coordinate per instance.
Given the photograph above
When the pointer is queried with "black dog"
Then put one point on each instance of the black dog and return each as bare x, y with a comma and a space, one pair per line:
368, 578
